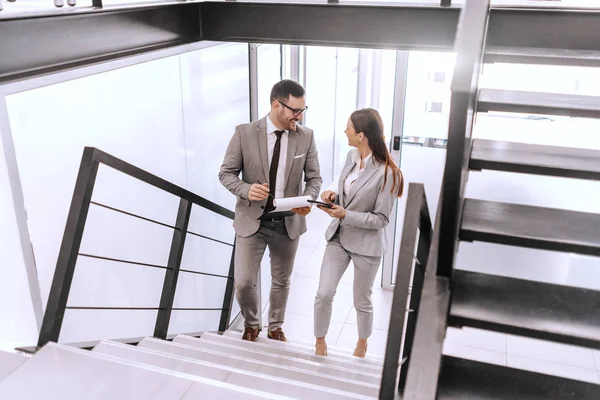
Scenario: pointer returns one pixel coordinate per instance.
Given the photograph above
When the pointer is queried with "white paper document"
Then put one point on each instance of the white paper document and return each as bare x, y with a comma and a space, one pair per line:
287, 203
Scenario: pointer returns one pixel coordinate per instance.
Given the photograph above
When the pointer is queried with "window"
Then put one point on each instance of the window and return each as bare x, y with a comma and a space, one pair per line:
437, 76
434, 106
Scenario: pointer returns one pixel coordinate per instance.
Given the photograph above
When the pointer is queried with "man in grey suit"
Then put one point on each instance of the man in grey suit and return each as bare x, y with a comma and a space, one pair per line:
273, 154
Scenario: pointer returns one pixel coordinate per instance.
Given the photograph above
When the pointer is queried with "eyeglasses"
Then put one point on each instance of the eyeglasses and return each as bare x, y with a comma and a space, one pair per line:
295, 111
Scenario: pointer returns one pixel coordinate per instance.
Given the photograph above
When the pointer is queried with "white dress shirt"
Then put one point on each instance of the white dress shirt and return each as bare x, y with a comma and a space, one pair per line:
356, 171
271, 139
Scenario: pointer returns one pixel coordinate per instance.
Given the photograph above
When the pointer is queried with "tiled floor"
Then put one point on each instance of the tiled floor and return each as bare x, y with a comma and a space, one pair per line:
490, 347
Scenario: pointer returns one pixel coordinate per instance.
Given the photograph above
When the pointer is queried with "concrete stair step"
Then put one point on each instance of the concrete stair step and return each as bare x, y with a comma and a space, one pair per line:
239, 358
301, 387
59, 372
332, 351
267, 352
9, 362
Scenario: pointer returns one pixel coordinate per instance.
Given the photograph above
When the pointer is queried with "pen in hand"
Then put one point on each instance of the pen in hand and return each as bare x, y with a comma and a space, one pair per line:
269, 190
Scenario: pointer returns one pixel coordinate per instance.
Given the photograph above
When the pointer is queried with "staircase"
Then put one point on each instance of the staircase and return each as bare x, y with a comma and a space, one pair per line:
459, 298
210, 366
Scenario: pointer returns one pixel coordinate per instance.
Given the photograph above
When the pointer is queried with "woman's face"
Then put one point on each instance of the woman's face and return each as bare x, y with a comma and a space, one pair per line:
354, 138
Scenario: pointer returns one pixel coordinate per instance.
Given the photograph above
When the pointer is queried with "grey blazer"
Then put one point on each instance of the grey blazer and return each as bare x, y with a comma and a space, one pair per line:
247, 153
368, 209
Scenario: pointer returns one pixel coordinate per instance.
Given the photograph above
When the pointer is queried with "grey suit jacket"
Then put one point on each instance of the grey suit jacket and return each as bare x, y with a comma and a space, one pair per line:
247, 153
368, 209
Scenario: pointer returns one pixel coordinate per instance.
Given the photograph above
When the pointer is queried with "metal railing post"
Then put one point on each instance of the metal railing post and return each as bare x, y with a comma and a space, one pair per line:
469, 46
69, 248
228, 298
172, 273
417, 216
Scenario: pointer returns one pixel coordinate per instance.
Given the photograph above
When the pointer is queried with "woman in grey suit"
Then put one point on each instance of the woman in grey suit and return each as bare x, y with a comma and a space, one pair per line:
368, 186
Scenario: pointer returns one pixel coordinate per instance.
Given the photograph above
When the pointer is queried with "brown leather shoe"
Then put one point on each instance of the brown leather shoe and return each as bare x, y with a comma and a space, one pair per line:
277, 334
250, 334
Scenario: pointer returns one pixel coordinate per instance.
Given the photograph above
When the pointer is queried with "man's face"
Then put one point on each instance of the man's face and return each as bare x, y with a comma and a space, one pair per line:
290, 112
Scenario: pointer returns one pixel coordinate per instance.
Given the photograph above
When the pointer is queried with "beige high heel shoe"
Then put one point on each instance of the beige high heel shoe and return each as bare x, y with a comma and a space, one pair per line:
321, 348
360, 351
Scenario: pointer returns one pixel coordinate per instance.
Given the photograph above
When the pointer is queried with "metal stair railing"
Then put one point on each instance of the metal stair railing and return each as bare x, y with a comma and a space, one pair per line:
76, 221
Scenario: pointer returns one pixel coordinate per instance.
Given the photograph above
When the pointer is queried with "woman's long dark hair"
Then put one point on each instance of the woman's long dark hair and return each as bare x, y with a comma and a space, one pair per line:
369, 122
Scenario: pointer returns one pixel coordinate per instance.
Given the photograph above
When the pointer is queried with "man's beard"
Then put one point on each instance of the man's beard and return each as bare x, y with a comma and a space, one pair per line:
288, 123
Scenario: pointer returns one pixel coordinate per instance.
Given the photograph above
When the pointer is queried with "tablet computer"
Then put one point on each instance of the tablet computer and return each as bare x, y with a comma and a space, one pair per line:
320, 203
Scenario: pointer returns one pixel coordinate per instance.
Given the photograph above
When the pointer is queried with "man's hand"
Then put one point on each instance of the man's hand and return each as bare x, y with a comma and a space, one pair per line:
301, 211
328, 196
258, 192
336, 211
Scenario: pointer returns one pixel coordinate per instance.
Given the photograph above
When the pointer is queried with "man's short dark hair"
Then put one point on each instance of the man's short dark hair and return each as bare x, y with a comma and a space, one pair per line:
283, 89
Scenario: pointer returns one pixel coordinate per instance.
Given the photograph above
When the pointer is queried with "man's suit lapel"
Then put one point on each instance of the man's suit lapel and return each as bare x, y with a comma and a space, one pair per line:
263, 148
368, 172
291, 152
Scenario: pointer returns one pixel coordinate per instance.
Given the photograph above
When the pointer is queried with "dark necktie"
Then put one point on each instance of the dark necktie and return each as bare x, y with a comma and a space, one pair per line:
273, 171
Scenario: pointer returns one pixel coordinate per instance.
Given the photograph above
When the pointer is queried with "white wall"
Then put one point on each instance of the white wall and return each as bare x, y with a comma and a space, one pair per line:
215, 99
16, 313
173, 117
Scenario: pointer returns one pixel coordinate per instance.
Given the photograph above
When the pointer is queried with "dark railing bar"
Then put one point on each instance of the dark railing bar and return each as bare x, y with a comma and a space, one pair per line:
167, 297
140, 308
158, 182
69, 250
228, 298
469, 45
153, 266
73, 234
423, 248
206, 237
112, 308
205, 273
429, 325
412, 221
123, 261
133, 215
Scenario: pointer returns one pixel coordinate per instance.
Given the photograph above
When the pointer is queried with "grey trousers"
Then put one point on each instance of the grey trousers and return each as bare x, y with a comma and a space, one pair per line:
249, 252
335, 263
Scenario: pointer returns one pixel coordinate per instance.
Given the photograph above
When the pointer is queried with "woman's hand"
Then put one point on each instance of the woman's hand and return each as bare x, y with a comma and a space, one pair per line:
328, 196
335, 211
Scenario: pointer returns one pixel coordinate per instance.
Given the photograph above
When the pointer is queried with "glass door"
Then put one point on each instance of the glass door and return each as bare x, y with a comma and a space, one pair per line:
392, 100
421, 108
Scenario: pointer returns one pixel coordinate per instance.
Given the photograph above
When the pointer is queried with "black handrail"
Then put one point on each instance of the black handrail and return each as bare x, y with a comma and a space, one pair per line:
416, 219
469, 48
71, 242
430, 331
